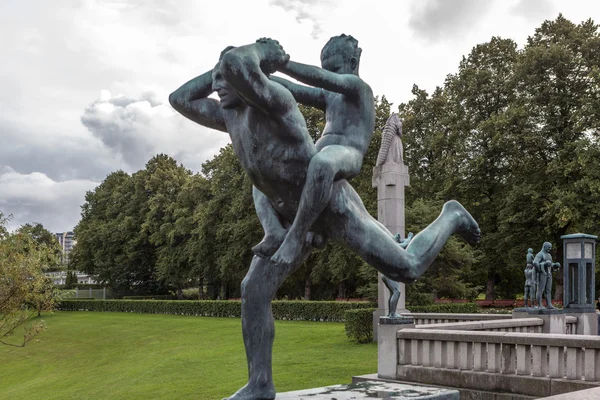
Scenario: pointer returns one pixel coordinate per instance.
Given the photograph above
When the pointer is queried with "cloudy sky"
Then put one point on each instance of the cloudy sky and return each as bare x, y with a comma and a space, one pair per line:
84, 83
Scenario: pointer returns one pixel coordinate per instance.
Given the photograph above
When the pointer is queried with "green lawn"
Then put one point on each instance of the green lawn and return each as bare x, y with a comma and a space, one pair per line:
86, 355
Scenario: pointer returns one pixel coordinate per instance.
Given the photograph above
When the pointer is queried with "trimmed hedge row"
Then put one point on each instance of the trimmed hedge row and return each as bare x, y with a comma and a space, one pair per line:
359, 324
285, 310
455, 308
151, 297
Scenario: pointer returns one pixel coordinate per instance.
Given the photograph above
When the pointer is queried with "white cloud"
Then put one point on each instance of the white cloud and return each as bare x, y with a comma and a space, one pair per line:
137, 128
58, 55
37, 198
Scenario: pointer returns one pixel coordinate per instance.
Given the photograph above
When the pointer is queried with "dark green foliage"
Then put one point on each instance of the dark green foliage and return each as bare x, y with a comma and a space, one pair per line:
359, 324
331, 311
454, 308
70, 280
416, 298
511, 135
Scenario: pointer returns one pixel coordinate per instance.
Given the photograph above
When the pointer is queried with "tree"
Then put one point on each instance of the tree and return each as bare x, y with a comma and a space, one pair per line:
43, 237
24, 290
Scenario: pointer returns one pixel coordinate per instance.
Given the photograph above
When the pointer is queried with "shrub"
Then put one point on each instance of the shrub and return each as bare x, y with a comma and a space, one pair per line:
285, 310
456, 308
150, 297
359, 324
419, 298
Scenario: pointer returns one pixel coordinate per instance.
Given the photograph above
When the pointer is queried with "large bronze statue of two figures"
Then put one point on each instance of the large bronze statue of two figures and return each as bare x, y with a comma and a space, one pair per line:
301, 191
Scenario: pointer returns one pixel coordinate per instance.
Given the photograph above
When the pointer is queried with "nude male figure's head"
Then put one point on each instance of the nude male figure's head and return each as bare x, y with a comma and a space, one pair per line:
530, 251
547, 247
227, 95
341, 54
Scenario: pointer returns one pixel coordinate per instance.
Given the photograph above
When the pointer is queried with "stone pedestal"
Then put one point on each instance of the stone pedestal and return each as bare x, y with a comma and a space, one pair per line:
554, 320
370, 390
387, 345
390, 180
587, 322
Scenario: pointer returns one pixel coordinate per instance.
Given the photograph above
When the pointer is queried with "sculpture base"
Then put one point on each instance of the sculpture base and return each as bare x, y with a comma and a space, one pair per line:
396, 320
372, 390
545, 311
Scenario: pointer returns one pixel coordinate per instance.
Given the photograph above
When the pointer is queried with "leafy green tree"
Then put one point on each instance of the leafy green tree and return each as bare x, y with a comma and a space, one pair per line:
24, 290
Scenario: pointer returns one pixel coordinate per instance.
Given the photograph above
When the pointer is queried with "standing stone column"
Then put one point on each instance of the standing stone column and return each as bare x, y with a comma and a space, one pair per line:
390, 176
390, 180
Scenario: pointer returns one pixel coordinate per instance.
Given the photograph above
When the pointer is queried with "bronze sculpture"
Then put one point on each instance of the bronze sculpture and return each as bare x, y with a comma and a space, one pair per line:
270, 138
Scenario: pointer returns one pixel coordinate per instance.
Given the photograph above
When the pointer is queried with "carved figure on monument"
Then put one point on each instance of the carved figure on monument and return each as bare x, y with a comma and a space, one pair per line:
270, 138
544, 267
530, 279
393, 286
391, 150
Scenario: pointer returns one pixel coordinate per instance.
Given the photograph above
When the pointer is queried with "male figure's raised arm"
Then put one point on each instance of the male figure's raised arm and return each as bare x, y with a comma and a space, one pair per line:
192, 101
346, 84
306, 95
245, 68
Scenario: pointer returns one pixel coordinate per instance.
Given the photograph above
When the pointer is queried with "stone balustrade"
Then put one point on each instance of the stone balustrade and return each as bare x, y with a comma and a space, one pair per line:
528, 325
531, 364
440, 318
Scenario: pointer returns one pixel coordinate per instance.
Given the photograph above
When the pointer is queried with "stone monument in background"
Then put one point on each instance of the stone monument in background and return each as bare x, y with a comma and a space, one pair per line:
390, 176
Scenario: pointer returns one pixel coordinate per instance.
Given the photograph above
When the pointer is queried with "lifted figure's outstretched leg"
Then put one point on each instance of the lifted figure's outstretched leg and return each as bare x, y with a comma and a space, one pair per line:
362, 234
333, 162
271, 224
258, 328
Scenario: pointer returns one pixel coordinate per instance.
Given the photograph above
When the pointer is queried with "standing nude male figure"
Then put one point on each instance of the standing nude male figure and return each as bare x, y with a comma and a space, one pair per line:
270, 138
544, 266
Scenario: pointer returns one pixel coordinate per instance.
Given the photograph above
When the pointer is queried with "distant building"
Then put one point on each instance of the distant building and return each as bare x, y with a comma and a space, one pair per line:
60, 278
66, 241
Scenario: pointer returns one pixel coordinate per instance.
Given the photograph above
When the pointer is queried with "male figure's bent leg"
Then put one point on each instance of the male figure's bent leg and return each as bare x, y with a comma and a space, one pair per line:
271, 224
333, 162
258, 328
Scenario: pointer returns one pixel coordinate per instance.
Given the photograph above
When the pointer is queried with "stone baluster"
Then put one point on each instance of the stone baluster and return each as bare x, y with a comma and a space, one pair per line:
539, 361
479, 356
592, 365
524, 359
556, 362
508, 358
494, 357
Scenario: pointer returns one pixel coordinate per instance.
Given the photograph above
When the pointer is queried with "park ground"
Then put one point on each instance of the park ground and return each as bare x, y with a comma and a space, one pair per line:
87, 355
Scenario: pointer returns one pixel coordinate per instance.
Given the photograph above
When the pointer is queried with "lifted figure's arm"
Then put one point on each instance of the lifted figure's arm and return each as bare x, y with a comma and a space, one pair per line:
306, 95
241, 68
192, 101
346, 84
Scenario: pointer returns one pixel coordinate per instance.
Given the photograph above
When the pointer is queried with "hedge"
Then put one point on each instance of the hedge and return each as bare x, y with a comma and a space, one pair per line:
151, 297
454, 308
332, 311
359, 324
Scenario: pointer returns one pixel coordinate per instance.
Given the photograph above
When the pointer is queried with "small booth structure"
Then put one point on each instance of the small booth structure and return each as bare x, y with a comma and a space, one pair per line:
579, 280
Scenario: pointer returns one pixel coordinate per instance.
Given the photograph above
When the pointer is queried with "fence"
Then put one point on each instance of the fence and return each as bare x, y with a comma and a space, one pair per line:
90, 293
531, 364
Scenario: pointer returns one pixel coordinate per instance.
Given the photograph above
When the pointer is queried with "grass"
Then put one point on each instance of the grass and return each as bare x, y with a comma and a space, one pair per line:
86, 355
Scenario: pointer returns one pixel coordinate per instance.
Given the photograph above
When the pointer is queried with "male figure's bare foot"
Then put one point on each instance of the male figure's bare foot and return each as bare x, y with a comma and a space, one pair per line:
269, 245
468, 228
254, 392
290, 251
